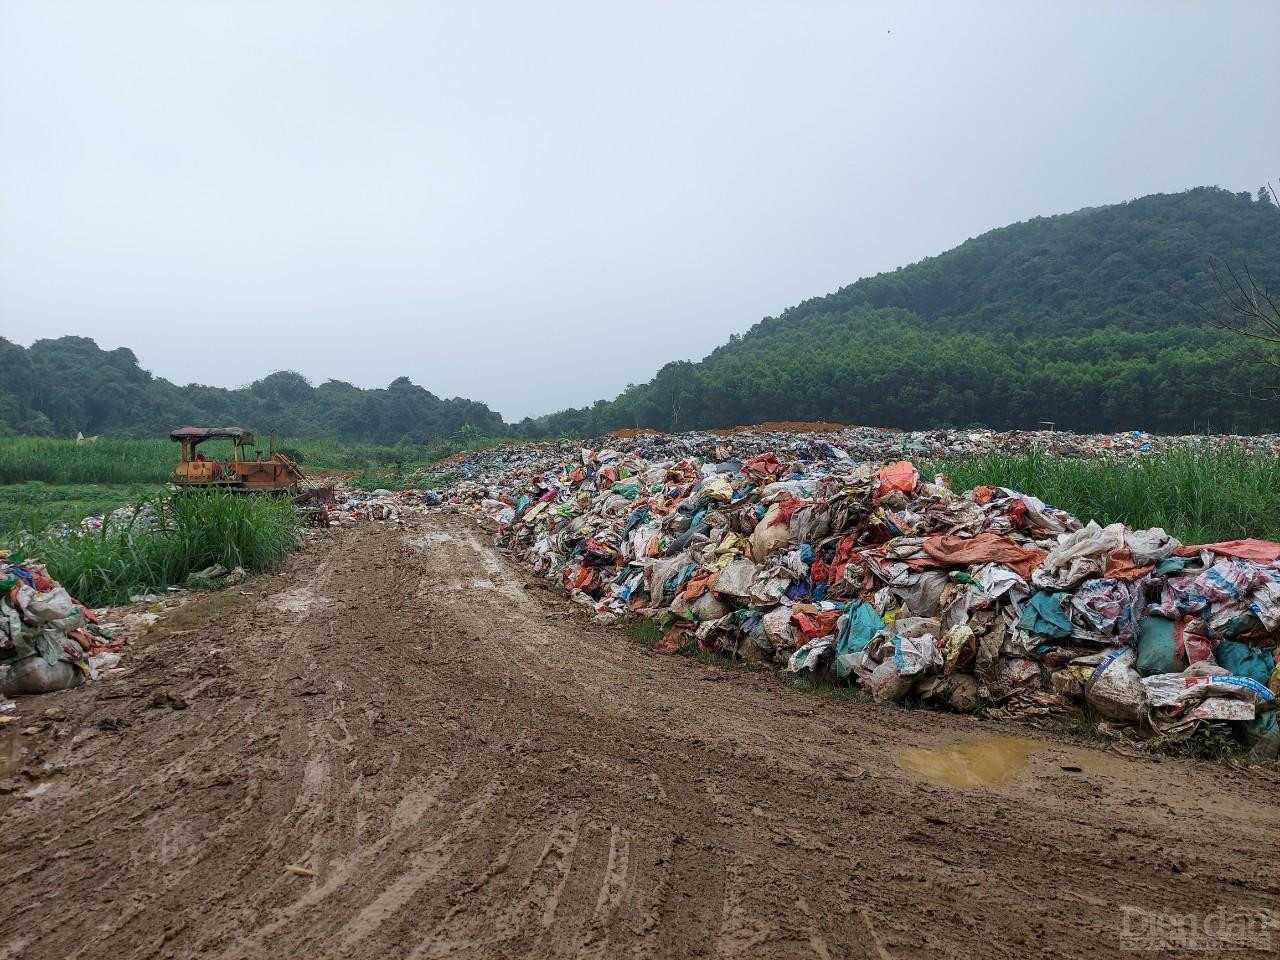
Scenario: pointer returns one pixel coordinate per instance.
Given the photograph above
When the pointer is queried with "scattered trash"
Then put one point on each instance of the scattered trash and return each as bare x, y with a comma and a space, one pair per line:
208, 573
828, 554
48, 640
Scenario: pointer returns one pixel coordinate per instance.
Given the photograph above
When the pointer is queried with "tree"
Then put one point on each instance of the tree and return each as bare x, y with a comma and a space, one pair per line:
1250, 314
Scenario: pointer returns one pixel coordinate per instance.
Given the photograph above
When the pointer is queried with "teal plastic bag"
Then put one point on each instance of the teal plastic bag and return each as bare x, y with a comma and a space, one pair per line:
860, 625
1160, 648
627, 488
1262, 734
1045, 615
1244, 661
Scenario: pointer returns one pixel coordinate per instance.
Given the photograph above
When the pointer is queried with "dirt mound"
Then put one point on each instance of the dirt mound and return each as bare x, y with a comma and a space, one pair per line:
783, 426
628, 432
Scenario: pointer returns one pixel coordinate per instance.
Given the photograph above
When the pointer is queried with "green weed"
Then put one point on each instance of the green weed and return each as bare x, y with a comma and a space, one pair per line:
1211, 741
151, 461
1198, 495
36, 505
845, 692
201, 528
413, 480
643, 630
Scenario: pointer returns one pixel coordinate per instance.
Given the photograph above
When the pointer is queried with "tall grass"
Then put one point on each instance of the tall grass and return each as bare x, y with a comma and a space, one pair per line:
201, 528
1198, 495
65, 461
152, 461
35, 505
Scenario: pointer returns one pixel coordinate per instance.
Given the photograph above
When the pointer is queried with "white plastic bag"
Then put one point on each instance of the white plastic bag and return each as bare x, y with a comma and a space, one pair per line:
1115, 691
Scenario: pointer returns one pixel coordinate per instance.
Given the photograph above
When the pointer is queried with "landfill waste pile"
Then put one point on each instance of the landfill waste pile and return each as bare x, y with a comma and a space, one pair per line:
140, 517
859, 444
48, 640
875, 443
812, 559
351, 506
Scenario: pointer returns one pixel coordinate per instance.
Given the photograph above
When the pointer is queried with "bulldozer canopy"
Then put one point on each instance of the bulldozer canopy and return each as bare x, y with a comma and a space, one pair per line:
194, 435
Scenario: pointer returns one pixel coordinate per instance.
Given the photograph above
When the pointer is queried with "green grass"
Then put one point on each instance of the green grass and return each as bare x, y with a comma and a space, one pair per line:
1210, 741
846, 692
36, 505
205, 528
1199, 496
643, 630
66, 462
152, 461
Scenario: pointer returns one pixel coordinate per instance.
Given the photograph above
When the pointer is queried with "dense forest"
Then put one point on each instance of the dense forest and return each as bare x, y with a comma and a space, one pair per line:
1095, 320
58, 387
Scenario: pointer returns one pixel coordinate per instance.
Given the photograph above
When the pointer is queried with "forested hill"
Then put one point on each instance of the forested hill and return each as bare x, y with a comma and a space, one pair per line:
1094, 320
58, 387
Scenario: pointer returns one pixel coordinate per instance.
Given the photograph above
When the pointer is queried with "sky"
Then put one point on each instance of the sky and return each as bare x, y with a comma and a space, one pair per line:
536, 204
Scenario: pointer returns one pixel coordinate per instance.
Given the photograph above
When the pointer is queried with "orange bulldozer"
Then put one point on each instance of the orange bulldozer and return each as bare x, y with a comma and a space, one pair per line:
244, 471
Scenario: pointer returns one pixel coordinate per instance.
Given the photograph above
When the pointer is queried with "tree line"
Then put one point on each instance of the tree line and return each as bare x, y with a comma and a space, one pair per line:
1098, 320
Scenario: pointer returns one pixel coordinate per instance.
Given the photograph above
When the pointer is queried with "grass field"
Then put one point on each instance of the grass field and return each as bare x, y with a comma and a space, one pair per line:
35, 505
1198, 496
45, 481
202, 528
151, 461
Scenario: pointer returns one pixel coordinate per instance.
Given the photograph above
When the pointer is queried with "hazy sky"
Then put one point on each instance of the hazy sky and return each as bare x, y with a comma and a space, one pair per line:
534, 204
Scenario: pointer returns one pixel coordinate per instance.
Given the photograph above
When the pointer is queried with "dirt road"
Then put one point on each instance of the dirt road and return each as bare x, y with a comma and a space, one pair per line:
472, 769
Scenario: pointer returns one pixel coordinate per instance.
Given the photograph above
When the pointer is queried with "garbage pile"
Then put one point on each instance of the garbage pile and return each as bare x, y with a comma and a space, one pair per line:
48, 640
869, 444
351, 506
867, 573
142, 516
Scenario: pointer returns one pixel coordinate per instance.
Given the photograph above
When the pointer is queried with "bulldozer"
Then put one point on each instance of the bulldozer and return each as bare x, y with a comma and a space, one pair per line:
245, 471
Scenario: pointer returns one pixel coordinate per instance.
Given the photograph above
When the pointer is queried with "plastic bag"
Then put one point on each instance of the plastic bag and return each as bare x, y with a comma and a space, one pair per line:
958, 647
55, 604
1244, 661
900, 475
1115, 691
897, 672
770, 534
735, 579
1160, 648
31, 675
1171, 689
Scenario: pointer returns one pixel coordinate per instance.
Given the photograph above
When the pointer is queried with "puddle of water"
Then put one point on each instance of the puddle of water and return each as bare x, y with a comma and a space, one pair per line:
982, 762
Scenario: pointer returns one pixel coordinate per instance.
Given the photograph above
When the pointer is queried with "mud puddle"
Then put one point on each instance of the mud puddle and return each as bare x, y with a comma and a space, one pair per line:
990, 761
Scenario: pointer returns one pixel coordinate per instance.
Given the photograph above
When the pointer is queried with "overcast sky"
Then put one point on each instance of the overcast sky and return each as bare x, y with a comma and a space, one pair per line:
535, 204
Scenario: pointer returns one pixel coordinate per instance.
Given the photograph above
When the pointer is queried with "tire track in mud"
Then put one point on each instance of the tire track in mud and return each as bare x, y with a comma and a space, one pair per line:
473, 770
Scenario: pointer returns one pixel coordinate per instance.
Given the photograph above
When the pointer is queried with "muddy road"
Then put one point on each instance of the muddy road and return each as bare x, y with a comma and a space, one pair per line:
472, 769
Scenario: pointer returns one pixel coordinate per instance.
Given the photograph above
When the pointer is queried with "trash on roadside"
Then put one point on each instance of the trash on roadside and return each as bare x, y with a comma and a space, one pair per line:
48, 640
819, 559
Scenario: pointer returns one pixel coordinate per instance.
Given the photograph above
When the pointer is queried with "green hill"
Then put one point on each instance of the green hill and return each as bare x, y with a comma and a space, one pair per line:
58, 387
1095, 320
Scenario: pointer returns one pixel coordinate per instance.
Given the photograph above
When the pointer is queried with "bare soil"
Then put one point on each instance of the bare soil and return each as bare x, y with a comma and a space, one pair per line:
472, 769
